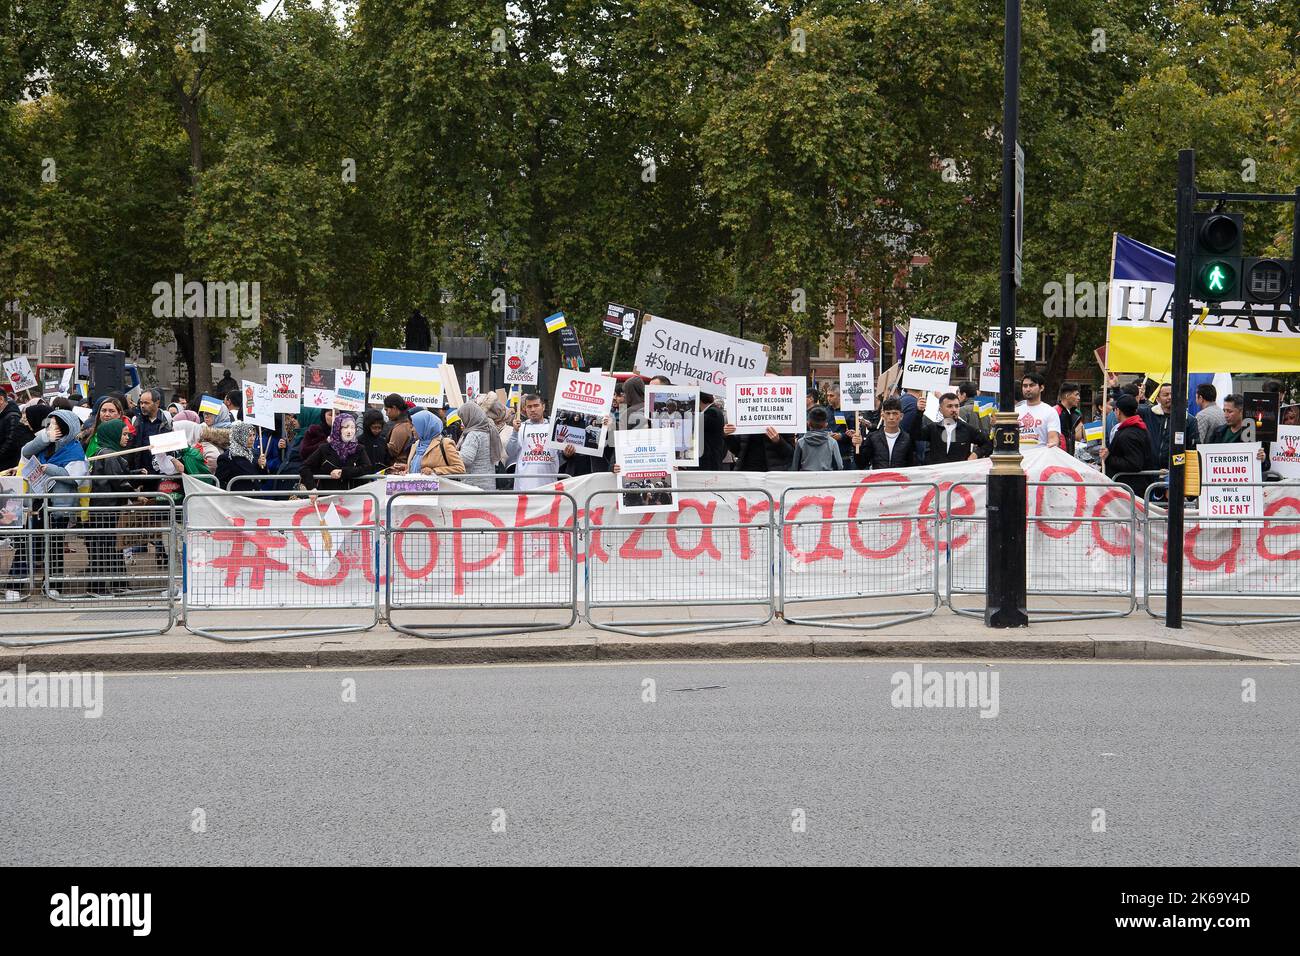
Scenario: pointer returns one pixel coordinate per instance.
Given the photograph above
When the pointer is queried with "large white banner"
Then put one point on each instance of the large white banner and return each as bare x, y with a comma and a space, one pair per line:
693, 356
1078, 536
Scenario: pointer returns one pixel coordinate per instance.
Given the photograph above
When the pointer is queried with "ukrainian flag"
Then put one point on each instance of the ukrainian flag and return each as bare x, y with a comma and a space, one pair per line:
556, 322
1092, 431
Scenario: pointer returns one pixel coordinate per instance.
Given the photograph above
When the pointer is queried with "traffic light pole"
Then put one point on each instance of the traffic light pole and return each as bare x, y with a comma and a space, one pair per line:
1184, 244
1005, 597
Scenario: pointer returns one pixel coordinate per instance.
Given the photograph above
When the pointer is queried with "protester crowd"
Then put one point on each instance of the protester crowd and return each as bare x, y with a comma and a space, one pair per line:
104, 446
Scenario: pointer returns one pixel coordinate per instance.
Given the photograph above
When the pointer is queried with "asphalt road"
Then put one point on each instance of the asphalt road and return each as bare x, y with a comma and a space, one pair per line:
284, 771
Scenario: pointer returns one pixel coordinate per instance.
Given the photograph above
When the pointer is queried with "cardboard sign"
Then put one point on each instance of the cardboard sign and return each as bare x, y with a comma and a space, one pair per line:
646, 473
677, 410
620, 322
693, 356
472, 386
451, 386
776, 401
350, 390
416, 376
18, 372
1284, 453
858, 386
318, 388
521, 360
164, 442
927, 363
582, 402
990, 367
83, 346
1026, 342
1224, 469
257, 408
285, 382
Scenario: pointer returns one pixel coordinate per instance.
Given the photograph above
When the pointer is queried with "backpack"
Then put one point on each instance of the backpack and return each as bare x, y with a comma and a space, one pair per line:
452, 463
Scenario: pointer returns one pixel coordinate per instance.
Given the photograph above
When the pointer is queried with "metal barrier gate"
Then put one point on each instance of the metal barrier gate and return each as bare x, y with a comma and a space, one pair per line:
708, 584
268, 566
455, 566
1205, 553
97, 589
1055, 547
873, 558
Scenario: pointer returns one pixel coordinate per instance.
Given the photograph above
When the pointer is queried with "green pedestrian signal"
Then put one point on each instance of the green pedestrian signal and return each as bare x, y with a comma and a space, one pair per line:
1216, 280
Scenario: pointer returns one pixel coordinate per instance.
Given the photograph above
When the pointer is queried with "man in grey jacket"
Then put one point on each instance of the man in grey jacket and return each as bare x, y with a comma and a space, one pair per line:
1209, 416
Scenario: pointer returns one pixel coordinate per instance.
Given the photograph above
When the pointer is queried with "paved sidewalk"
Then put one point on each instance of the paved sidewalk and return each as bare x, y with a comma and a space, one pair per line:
944, 635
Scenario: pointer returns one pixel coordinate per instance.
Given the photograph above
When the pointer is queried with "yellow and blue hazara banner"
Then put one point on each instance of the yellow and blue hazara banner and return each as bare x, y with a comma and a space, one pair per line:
1092, 431
556, 322
452, 418
1140, 323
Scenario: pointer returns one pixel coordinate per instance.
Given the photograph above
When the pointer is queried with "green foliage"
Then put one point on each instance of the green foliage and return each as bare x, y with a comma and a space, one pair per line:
706, 161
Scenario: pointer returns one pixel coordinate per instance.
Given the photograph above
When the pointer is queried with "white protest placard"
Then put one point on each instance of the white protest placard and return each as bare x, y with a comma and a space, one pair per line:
285, 382
646, 473
1224, 469
33, 472
14, 508
776, 401
83, 412
472, 386
318, 388
257, 408
858, 386
1284, 454
521, 361
677, 409
65, 381
927, 363
693, 356
84, 345
19, 374
164, 442
349, 390
990, 367
582, 403
1026, 342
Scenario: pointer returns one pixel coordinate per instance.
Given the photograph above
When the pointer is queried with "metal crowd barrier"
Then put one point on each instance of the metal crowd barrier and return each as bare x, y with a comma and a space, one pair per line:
1211, 548
74, 565
618, 573
526, 565
259, 566
251, 484
1054, 547
872, 558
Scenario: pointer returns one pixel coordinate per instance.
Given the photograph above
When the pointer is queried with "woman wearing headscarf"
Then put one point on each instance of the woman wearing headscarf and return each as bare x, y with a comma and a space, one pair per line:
107, 570
316, 435
61, 457
205, 451
341, 457
107, 408
242, 457
480, 444
371, 438
433, 453
185, 415
500, 417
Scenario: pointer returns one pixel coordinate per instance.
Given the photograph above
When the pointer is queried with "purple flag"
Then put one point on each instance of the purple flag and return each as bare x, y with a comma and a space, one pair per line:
862, 346
900, 344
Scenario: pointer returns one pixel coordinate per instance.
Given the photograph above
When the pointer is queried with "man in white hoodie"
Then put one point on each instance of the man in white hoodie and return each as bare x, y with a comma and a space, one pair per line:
535, 464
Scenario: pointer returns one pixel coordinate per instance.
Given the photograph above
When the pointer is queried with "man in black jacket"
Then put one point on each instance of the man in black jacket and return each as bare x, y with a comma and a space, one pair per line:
887, 446
1159, 426
1129, 448
149, 421
949, 439
770, 451
713, 440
